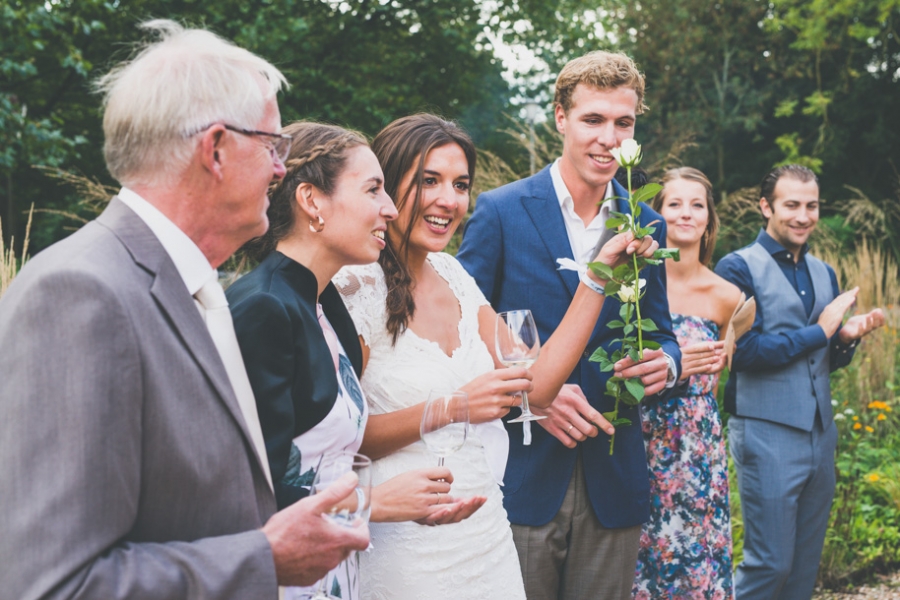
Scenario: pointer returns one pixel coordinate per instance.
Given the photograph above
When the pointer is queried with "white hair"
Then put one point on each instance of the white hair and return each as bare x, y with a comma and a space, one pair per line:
173, 88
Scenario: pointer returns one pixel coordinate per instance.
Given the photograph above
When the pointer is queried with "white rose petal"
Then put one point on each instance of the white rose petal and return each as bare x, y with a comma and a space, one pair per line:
840, 417
628, 154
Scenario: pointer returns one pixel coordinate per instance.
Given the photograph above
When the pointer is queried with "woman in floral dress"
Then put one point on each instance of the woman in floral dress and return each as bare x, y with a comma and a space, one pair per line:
686, 545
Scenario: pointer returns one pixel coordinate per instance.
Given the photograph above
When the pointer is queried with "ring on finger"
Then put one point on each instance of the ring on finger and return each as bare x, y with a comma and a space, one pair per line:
438, 497
571, 426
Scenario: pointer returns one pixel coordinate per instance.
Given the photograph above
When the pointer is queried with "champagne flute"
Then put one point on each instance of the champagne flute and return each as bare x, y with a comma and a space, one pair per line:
445, 422
518, 345
352, 511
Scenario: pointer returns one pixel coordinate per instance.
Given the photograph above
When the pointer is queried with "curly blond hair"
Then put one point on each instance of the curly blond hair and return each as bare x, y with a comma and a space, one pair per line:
601, 70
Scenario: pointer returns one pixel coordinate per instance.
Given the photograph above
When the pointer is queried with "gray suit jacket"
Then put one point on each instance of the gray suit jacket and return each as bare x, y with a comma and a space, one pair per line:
126, 470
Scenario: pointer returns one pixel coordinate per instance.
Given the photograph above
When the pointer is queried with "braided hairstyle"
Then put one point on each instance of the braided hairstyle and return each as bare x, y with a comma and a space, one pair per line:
401, 147
318, 156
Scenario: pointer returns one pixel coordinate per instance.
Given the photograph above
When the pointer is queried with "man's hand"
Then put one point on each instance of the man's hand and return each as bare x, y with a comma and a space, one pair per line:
570, 418
860, 325
305, 545
620, 247
833, 314
653, 371
702, 357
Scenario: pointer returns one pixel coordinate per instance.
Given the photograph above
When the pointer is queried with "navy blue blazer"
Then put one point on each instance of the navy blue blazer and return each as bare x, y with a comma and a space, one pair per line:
510, 247
287, 358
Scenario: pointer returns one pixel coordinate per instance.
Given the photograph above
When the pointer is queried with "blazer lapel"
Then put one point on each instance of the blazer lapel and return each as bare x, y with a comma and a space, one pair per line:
172, 297
544, 210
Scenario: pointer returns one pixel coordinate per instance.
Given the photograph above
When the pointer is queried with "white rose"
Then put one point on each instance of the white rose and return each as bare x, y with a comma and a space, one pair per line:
839, 417
628, 154
626, 292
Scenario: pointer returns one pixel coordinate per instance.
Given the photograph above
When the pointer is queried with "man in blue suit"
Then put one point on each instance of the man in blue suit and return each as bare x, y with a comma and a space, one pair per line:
576, 510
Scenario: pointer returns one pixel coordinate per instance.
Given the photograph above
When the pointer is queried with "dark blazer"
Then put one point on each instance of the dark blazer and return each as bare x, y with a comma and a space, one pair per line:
128, 471
510, 247
286, 355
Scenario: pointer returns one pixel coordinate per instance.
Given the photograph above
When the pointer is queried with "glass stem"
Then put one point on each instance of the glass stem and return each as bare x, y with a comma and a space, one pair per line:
440, 461
526, 410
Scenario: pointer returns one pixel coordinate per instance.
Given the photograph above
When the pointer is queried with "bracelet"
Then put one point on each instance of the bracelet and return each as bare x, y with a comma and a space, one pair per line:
586, 280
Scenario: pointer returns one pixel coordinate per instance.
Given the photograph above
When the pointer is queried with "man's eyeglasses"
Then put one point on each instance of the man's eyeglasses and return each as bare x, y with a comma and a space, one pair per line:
279, 143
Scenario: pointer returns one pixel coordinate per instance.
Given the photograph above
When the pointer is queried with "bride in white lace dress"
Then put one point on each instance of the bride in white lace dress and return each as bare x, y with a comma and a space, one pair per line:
424, 325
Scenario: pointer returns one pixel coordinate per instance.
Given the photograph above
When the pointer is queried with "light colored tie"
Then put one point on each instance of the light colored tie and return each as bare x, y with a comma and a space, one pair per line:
218, 320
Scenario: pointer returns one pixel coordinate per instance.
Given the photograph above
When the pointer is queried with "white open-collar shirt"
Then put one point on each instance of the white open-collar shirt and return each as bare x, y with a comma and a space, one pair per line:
582, 238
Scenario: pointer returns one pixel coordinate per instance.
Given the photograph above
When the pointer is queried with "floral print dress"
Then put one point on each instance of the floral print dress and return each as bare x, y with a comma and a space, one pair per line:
686, 545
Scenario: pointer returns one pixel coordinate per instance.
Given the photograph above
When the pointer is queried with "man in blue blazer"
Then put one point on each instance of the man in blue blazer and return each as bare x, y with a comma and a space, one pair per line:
576, 510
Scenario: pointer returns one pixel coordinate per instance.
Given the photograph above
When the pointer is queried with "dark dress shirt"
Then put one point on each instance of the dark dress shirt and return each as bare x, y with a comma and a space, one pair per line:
757, 350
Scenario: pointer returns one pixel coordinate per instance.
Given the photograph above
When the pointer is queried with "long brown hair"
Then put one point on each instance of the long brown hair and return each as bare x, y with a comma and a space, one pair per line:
400, 147
318, 156
708, 241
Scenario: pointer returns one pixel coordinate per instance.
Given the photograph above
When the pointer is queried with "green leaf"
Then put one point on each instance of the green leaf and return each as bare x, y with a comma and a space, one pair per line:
615, 323
627, 329
637, 211
651, 345
620, 422
664, 253
599, 355
609, 416
645, 231
623, 272
612, 387
612, 288
648, 325
635, 387
625, 312
633, 354
646, 192
601, 270
616, 222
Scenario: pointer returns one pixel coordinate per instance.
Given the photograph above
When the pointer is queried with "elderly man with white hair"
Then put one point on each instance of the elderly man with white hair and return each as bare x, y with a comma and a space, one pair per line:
133, 461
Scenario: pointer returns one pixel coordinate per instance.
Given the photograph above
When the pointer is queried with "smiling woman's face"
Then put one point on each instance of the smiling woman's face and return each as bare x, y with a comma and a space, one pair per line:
358, 211
685, 211
444, 201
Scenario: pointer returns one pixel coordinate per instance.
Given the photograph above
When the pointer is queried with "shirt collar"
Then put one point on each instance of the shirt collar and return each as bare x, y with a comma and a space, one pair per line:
189, 260
562, 192
777, 250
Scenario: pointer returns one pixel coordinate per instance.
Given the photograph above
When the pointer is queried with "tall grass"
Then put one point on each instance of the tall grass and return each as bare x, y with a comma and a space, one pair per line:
9, 263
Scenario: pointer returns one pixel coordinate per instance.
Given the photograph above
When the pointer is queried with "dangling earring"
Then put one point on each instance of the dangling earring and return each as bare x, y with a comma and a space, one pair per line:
317, 227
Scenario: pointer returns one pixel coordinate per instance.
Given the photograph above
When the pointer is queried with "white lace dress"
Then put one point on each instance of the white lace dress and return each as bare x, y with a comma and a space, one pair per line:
473, 559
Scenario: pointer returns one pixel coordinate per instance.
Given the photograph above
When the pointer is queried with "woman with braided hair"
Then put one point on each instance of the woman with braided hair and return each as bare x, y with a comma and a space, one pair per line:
298, 342
425, 324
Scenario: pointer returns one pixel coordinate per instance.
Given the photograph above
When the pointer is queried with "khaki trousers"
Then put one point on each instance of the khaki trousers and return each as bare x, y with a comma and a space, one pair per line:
574, 557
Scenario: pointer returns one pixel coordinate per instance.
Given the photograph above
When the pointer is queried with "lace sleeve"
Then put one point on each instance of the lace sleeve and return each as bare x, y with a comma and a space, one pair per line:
364, 292
460, 280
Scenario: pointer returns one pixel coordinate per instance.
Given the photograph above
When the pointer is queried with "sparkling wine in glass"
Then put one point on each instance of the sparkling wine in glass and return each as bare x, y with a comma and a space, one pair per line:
518, 345
445, 422
354, 510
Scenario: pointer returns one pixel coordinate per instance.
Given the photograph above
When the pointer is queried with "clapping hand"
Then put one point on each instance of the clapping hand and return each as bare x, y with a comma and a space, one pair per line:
859, 325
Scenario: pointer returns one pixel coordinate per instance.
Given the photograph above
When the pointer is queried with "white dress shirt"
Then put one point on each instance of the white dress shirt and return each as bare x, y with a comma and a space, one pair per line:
583, 239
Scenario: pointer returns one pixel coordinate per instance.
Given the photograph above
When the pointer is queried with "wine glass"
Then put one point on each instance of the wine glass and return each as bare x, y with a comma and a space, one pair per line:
354, 510
445, 422
518, 345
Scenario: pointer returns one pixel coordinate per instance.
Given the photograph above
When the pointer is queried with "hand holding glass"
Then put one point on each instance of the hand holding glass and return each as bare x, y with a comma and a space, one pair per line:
352, 511
445, 422
517, 345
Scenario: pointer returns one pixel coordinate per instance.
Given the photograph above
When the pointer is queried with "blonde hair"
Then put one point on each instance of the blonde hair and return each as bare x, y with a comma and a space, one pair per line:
172, 89
601, 70
708, 241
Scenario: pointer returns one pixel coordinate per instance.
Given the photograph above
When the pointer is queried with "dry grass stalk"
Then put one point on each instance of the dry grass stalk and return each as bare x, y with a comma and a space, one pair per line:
93, 195
9, 264
874, 271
